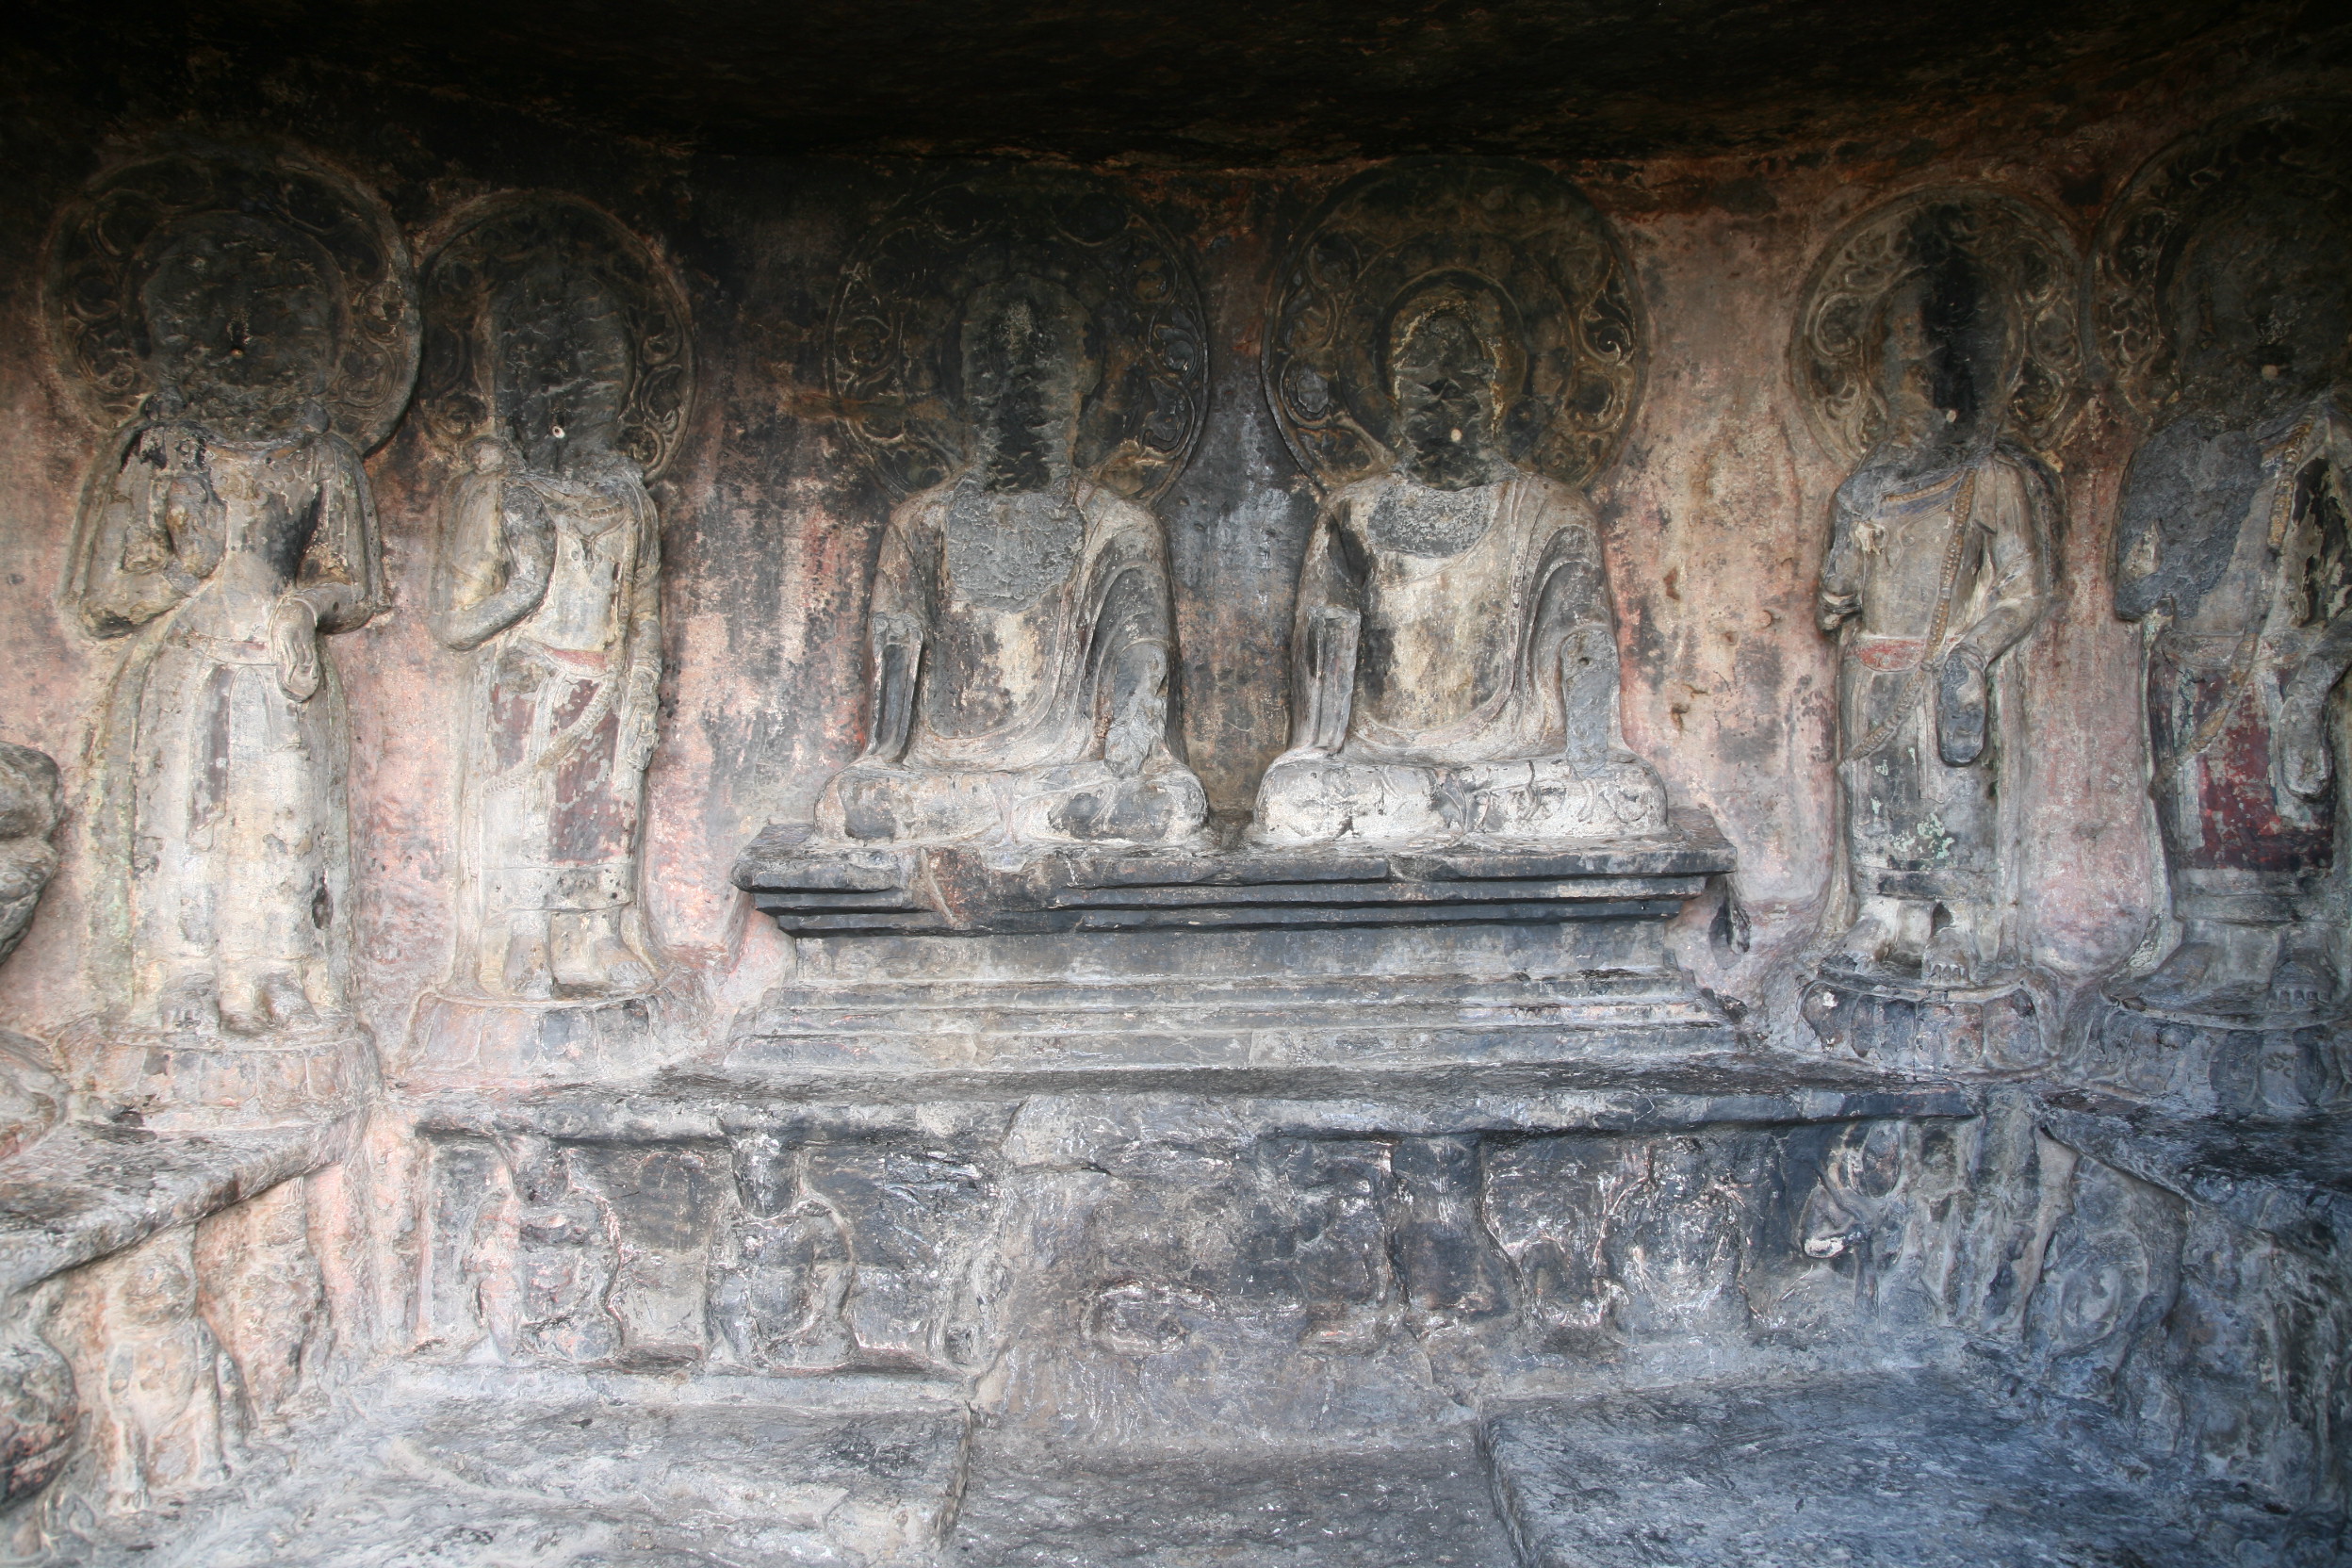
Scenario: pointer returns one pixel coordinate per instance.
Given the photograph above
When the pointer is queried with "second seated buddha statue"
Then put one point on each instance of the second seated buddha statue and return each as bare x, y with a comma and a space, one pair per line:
1455, 669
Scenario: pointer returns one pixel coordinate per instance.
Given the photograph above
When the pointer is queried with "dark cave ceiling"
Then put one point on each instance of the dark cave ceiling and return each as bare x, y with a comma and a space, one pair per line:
1207, 81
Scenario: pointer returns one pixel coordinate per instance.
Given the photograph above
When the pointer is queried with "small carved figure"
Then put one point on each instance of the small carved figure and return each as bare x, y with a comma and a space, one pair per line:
782, 1278
151, 1372
1455, 648
2234, 549
1021, 638
564, 1261
1937, 568
549, 573
225, 529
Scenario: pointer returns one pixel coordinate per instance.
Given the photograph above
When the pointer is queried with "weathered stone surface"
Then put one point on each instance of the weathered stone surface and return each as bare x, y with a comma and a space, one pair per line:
991, 531
1919, 1469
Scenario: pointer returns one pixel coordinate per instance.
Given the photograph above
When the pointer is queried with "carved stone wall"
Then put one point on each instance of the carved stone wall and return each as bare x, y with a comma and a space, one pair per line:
864, 790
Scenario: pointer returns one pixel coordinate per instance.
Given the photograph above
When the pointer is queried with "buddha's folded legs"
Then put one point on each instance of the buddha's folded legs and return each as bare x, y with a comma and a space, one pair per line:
1320, 799
1084, 803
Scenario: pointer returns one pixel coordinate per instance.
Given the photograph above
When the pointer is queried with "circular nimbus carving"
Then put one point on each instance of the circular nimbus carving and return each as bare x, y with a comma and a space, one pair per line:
555, 292
1986, 252
2257, 206
186, 236
1524, 244
894, 354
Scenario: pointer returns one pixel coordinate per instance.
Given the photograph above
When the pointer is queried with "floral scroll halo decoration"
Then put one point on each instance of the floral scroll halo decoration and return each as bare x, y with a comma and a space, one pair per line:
1520, 248
491, 245
105, 247
893, 346
2288, 163
2029, 266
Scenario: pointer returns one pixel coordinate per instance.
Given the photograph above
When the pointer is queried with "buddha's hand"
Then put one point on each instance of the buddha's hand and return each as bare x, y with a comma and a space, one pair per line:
641, 720
1832, 610
294, 645
2301, 744
1138, 709
1963, 708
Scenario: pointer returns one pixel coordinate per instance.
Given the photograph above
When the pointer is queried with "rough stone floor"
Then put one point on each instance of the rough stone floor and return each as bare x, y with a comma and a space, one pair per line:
1906, 1470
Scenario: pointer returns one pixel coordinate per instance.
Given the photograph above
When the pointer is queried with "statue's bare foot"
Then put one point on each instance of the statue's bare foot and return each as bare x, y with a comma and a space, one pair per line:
1863, 948
285, 1000
2184, 977
602, 966
1129, 809
1950, 958
2301, 984
258, 1001
190, 1001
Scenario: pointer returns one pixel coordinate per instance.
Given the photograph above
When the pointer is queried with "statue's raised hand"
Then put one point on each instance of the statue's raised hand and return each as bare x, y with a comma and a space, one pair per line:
294, 645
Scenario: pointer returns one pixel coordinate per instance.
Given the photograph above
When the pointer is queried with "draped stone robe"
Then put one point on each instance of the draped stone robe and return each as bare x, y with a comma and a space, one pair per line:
1013, 639
1483, 699
219, 796
1965, 555
2233, 550
563, 703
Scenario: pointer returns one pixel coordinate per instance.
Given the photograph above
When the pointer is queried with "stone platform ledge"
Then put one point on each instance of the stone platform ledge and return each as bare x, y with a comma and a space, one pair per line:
1339, 1101
2289, 1179
87, 1191
1231, 886
1267, 1024
487, 1468
1916, 1469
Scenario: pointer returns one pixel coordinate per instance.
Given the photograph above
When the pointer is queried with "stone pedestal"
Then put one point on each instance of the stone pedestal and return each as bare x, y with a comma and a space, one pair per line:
2282, 1066
205, 1081
950, 961
1998, 1028
472, 1040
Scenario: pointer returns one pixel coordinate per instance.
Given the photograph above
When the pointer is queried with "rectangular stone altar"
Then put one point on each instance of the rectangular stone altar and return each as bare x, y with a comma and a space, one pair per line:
1233, 958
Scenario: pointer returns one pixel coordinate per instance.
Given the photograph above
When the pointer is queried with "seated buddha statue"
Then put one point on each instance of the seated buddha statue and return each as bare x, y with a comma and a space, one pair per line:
1455, 653
1020, 631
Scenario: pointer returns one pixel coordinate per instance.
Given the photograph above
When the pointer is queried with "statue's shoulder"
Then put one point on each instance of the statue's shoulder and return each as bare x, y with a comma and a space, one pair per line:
923, 510
1552, 507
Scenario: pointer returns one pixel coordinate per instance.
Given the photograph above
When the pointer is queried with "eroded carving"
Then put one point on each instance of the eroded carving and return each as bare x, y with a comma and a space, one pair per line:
1941, 308
253, 320
1458, 345
2224, 304
31, 802
557, 358
1021, 639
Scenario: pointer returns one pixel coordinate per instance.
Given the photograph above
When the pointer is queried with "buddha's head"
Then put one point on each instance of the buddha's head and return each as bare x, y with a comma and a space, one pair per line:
1026, 372
1446, 364
1944, 354
2261, 308
562, 366
241, 325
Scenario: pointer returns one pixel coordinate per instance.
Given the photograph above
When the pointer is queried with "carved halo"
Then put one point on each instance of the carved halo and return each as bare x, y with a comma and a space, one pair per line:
105, 246
2021, 250
493, 242
893, 354
2296, 154
1513, 235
